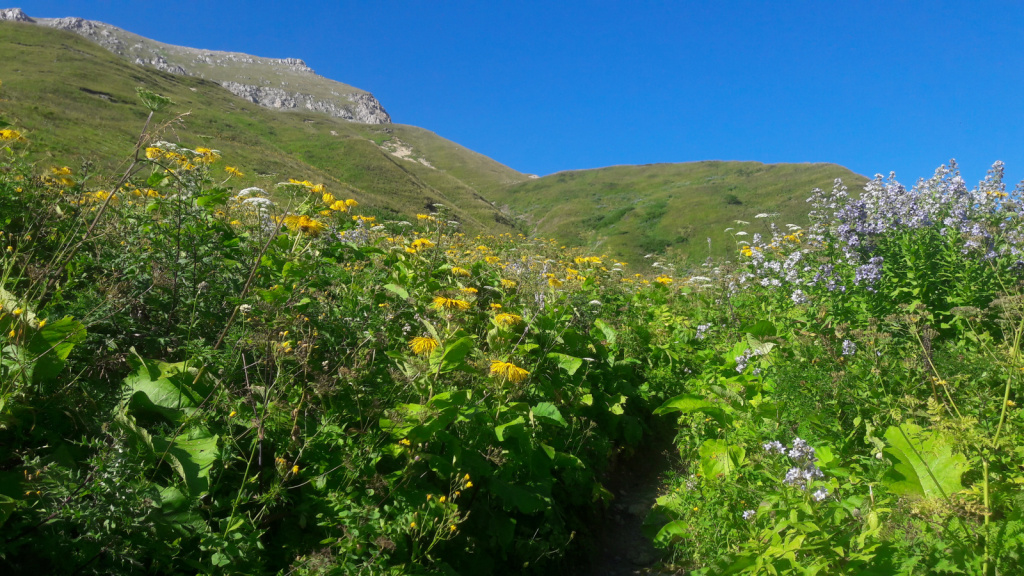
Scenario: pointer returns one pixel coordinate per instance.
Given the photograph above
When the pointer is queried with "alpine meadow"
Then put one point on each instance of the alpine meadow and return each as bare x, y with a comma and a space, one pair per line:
261, 329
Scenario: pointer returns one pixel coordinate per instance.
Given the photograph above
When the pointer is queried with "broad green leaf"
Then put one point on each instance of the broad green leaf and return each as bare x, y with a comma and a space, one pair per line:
451, 357
720, 459
609, 333
548, 412
401, 292
677, 529
191, 457
502, 429
166, 389
687, 403
924, 465
568, 363
760, 328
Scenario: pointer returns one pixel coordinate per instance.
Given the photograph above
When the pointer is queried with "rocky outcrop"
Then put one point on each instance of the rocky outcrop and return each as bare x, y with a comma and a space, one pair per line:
279, 83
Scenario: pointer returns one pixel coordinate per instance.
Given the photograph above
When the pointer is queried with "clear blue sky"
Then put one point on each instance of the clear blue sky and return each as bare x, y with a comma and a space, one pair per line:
548, 86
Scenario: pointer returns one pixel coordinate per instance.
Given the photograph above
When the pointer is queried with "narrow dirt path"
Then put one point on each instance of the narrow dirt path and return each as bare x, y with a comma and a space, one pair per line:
621, 547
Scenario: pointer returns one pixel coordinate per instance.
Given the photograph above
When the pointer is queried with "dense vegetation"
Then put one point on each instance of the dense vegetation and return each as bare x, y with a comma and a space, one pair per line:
198, 375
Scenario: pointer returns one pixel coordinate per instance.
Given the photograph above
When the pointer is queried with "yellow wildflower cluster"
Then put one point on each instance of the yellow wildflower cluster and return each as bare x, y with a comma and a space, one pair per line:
443, 303
461, 272
664, 280
507, 320
10, 135
232, 171
509, 371
304, 224
588, 260
421, 244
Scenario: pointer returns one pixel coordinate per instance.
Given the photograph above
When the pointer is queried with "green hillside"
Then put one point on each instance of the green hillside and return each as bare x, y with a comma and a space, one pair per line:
77, 101
632, 211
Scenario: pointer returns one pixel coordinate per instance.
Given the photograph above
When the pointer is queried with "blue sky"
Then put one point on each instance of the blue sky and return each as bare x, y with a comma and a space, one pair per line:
548, 86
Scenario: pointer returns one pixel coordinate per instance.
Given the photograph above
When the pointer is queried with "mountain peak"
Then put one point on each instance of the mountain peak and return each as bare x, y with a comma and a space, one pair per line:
280, 83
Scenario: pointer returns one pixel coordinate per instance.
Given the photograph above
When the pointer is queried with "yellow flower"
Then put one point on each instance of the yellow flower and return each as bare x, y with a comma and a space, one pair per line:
554, 282
423, 345
328, 198
351, 203
412, 524
508, 370
588, 260
233, 171
429, 496
295, 469
63, 171
339, 206
442, 499
404, 442
232, 415
507, 320
469, 290
508, 283
8, 135
18, 311
423, 217
452, 527
492, 259
663, 280
442, 303
41, 324
422, 244
469, 484
317, 189
461, 272
304, 224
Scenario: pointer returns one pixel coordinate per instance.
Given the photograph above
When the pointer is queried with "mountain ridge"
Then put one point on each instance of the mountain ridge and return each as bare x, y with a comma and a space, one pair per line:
260, 80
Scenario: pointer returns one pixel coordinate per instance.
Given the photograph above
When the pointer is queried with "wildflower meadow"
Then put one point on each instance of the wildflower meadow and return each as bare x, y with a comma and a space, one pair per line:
205, 371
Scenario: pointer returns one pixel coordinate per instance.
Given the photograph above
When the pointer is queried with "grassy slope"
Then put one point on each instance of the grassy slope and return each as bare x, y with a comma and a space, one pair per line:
76, 101
631, 211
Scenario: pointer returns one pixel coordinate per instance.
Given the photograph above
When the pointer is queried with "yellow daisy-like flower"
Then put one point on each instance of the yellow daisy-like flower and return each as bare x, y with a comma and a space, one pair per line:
422, 244
442, 303
495, 306
665, 280
461, 272
304, 224
423, 345
351, 203
554, 282
328, 198
42, 323
588, 260
508, 283
508, 370
8, 135
507, 320
318, 189
339, 206
469, 290
424, 217
492, 259
233, 171
62, 171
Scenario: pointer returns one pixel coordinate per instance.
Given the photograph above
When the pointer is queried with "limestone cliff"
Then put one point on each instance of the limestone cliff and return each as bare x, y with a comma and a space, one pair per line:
281, 83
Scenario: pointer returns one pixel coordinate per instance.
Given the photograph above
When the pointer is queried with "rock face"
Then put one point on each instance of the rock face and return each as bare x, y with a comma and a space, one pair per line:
280, 83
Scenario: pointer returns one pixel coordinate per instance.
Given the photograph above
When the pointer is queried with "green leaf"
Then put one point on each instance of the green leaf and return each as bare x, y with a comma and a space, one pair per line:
501, 429
156, 179
720, 459
401, 292
548, 412
451, 357
192, 458
568, 363
165, 389
924, 465
51, 345
687, 403
760, 328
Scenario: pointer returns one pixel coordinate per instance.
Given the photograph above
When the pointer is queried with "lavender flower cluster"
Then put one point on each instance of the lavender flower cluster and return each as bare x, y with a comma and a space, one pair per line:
988, 220
805, 469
